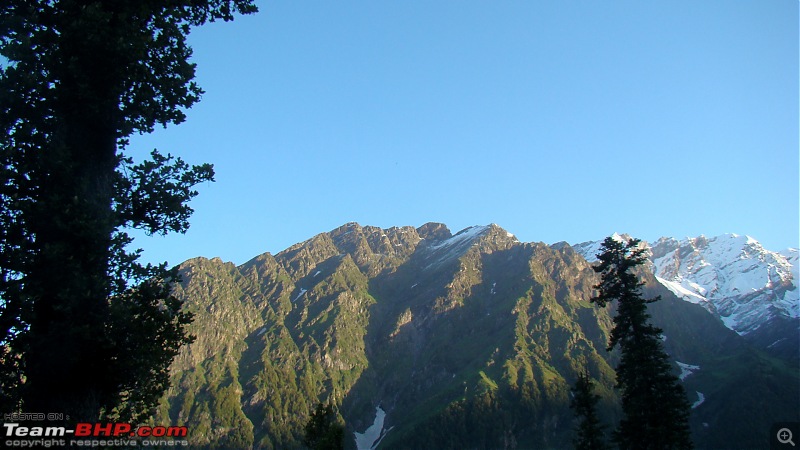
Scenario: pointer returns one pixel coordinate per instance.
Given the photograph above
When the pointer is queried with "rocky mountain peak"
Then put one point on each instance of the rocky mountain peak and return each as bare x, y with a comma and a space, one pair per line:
733, 276
434, 231
590, 249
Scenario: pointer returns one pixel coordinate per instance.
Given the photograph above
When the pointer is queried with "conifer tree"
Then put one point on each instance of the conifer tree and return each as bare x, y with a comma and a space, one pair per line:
77, 79
584, 404
654, 404
323, 431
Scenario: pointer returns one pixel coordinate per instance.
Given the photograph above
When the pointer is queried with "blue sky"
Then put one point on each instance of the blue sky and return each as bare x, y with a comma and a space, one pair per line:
559, 121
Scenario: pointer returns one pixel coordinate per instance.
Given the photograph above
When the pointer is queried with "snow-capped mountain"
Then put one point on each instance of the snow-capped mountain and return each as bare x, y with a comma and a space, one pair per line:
733, 277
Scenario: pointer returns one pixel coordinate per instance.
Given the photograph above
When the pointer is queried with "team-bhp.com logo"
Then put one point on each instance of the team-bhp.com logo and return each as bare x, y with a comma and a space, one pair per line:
93, 435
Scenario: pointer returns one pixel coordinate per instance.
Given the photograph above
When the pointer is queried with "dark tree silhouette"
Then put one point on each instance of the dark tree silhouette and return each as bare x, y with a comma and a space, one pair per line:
584, 401
80, 77
656, 412
323, 431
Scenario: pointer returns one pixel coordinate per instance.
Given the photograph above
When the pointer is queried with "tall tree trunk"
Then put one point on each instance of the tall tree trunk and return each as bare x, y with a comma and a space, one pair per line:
70, 367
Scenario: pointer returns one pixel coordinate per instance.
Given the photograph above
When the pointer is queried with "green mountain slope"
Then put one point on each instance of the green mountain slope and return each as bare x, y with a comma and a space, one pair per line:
470, 340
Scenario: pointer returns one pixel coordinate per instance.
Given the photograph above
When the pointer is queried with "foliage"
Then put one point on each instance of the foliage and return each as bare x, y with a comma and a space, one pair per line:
653, 402
584, 404
484, 421
81, 77
323, 431
284, 360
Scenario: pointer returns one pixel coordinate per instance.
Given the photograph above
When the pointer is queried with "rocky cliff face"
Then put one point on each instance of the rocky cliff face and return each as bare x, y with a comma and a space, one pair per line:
467, 339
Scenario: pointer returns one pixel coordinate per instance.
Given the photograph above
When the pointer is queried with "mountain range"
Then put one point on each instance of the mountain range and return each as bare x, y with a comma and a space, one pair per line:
422, 338
752, 290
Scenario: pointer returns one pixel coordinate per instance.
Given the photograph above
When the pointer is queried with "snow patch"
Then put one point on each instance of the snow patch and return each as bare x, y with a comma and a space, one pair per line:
700, 399
455, 246
686, 370
302, 291
776, 342
682, 292
791, 255
372, 436
467, 234
589, 250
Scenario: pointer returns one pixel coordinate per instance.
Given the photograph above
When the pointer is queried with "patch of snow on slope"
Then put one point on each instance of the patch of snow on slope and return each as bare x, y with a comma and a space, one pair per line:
776, 342
302, 291
731, 321
467, 234
456, 245
682, 292
700, 399
371, 437
589, 250
686, 369
791, 255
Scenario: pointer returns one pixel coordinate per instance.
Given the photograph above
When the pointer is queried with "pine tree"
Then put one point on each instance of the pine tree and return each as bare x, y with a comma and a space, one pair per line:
584, 403
77, 79
654, 404
323, 431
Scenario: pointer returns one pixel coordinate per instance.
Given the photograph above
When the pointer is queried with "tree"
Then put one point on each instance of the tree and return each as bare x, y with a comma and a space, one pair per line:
656, 412
85, 329
584, 404
323, 431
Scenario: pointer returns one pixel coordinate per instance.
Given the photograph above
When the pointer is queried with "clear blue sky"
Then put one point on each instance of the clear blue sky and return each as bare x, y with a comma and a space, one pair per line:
558, 120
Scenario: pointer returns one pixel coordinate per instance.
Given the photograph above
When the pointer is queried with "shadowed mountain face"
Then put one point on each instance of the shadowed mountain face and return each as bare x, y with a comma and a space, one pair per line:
465, 340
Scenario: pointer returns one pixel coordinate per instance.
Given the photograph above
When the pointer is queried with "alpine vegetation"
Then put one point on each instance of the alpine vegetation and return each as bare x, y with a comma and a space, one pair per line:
423, 338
